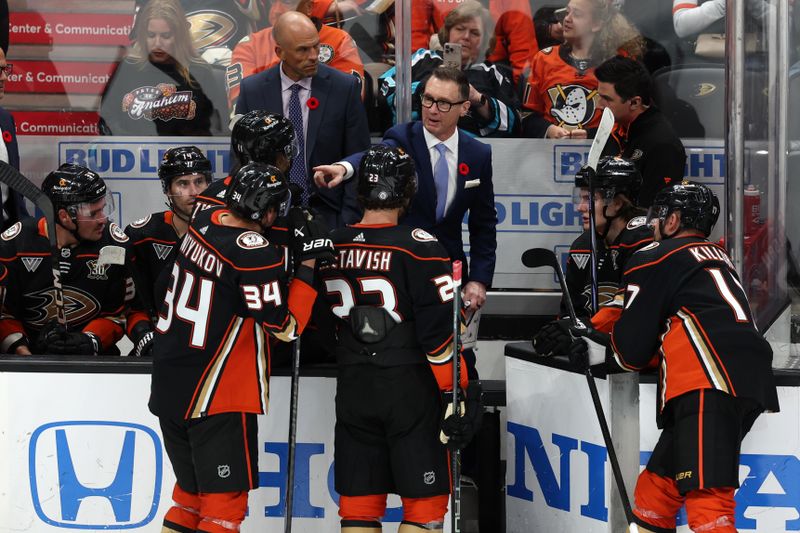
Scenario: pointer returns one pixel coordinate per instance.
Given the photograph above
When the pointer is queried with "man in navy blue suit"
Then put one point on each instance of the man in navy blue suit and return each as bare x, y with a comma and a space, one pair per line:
13, 206
326, 107
467, 169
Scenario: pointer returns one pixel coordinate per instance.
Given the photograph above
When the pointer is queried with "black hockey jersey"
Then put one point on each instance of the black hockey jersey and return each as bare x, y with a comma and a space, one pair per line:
685, 305
610, 262
152, 240
95, 296
228, 291
407, 273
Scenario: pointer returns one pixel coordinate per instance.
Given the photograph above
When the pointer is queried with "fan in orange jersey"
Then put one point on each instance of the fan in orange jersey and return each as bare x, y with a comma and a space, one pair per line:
562, 87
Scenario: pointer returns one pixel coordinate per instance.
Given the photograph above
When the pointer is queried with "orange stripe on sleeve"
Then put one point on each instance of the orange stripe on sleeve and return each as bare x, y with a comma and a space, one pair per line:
301, 301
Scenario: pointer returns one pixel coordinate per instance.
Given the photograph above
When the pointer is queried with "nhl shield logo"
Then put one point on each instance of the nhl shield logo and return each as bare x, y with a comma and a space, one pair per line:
429, 478
223, 471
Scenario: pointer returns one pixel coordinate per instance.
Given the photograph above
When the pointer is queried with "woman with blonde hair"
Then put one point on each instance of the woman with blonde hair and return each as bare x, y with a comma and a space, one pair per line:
562, 88
163, 87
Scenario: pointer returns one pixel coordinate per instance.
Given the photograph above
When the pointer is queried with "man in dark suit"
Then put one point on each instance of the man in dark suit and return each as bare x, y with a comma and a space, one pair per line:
468, 168
321, 102
13, 205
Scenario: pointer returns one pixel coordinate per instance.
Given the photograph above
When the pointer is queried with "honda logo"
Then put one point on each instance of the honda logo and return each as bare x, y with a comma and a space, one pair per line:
82, 474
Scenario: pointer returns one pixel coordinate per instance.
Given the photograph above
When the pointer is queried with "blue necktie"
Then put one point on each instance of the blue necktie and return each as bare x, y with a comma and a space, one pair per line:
297, 173
441, 178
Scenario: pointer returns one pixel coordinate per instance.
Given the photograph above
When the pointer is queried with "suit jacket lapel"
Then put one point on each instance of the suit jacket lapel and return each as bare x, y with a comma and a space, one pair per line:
462, 159
426, 195
273, 101
320, 87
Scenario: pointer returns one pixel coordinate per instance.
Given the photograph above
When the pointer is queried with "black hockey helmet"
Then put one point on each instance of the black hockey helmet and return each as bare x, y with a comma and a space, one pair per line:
70, 185
182, 161
697, 203
614, 175
255, 188
387, 178
260, 136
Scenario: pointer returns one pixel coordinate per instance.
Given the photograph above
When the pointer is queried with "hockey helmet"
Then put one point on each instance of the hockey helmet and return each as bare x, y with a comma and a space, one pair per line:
260, 136
71, 185
182, 161
255, 188
614, 175
697, 203
387, 178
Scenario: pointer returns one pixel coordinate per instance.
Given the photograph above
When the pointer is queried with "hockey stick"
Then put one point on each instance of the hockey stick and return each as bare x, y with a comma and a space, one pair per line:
287, 525
19, 183
455, 455
599, 142
540, 257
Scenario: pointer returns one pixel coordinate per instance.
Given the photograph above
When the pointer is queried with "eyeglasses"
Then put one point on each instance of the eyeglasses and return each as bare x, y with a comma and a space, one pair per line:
8, 69
442, 105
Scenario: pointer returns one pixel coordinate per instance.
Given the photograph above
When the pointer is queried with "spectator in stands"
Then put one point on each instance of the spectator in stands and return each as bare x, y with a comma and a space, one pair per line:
562, 88
515, 39
163, 87
324, 106
257, 52
217, 26
642, 133
494, 107
12, 205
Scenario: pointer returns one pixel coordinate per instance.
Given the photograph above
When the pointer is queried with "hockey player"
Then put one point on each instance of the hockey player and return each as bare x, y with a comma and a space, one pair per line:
685, 312
184, 173
211, 361
621, 230
257, 136
96, 292
392, 288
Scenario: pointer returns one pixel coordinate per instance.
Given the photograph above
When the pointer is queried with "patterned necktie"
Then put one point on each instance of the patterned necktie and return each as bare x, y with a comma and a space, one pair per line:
297, 173
441, 178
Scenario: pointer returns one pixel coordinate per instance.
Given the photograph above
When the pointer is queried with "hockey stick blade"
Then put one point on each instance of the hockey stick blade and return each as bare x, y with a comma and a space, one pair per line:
22, 185
539, 257
600, 138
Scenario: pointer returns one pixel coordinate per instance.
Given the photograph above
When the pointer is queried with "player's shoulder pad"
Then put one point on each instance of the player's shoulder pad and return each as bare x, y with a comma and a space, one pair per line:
11, 232
140, 222
423, 244
250, 240
581, 243
636, 222
116, 233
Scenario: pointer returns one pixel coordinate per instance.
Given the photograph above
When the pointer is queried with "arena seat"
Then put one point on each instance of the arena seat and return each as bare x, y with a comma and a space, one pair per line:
693, 98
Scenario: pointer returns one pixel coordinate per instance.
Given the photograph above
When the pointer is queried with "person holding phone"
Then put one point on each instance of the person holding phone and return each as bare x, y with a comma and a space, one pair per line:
494, 107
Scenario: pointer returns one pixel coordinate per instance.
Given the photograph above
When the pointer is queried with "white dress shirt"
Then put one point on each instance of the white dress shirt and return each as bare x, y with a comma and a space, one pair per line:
3, 186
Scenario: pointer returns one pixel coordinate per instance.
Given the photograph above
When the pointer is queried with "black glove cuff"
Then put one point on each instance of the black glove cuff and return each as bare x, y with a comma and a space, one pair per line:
142, 328
22, 341
305, 273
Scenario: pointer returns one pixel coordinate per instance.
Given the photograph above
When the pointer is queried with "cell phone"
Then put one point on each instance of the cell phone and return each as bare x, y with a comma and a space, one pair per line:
452, 55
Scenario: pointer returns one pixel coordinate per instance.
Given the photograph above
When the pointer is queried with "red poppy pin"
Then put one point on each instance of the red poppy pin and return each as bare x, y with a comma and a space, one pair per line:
667, 179
312, 103
7, 136
463, 169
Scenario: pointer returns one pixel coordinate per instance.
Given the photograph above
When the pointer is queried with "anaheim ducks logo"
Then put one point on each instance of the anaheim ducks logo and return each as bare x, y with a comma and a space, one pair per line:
79, 306
573, 106
605, 294
704, 89
211, 28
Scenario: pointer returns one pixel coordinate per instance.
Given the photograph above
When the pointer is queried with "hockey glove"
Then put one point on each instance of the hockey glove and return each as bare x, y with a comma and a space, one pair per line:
553, 338
309, 237
457, 431
584, 353
142, 337
74, 343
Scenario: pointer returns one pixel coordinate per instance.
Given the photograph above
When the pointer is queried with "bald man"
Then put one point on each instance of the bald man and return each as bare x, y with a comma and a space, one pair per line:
323, 103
